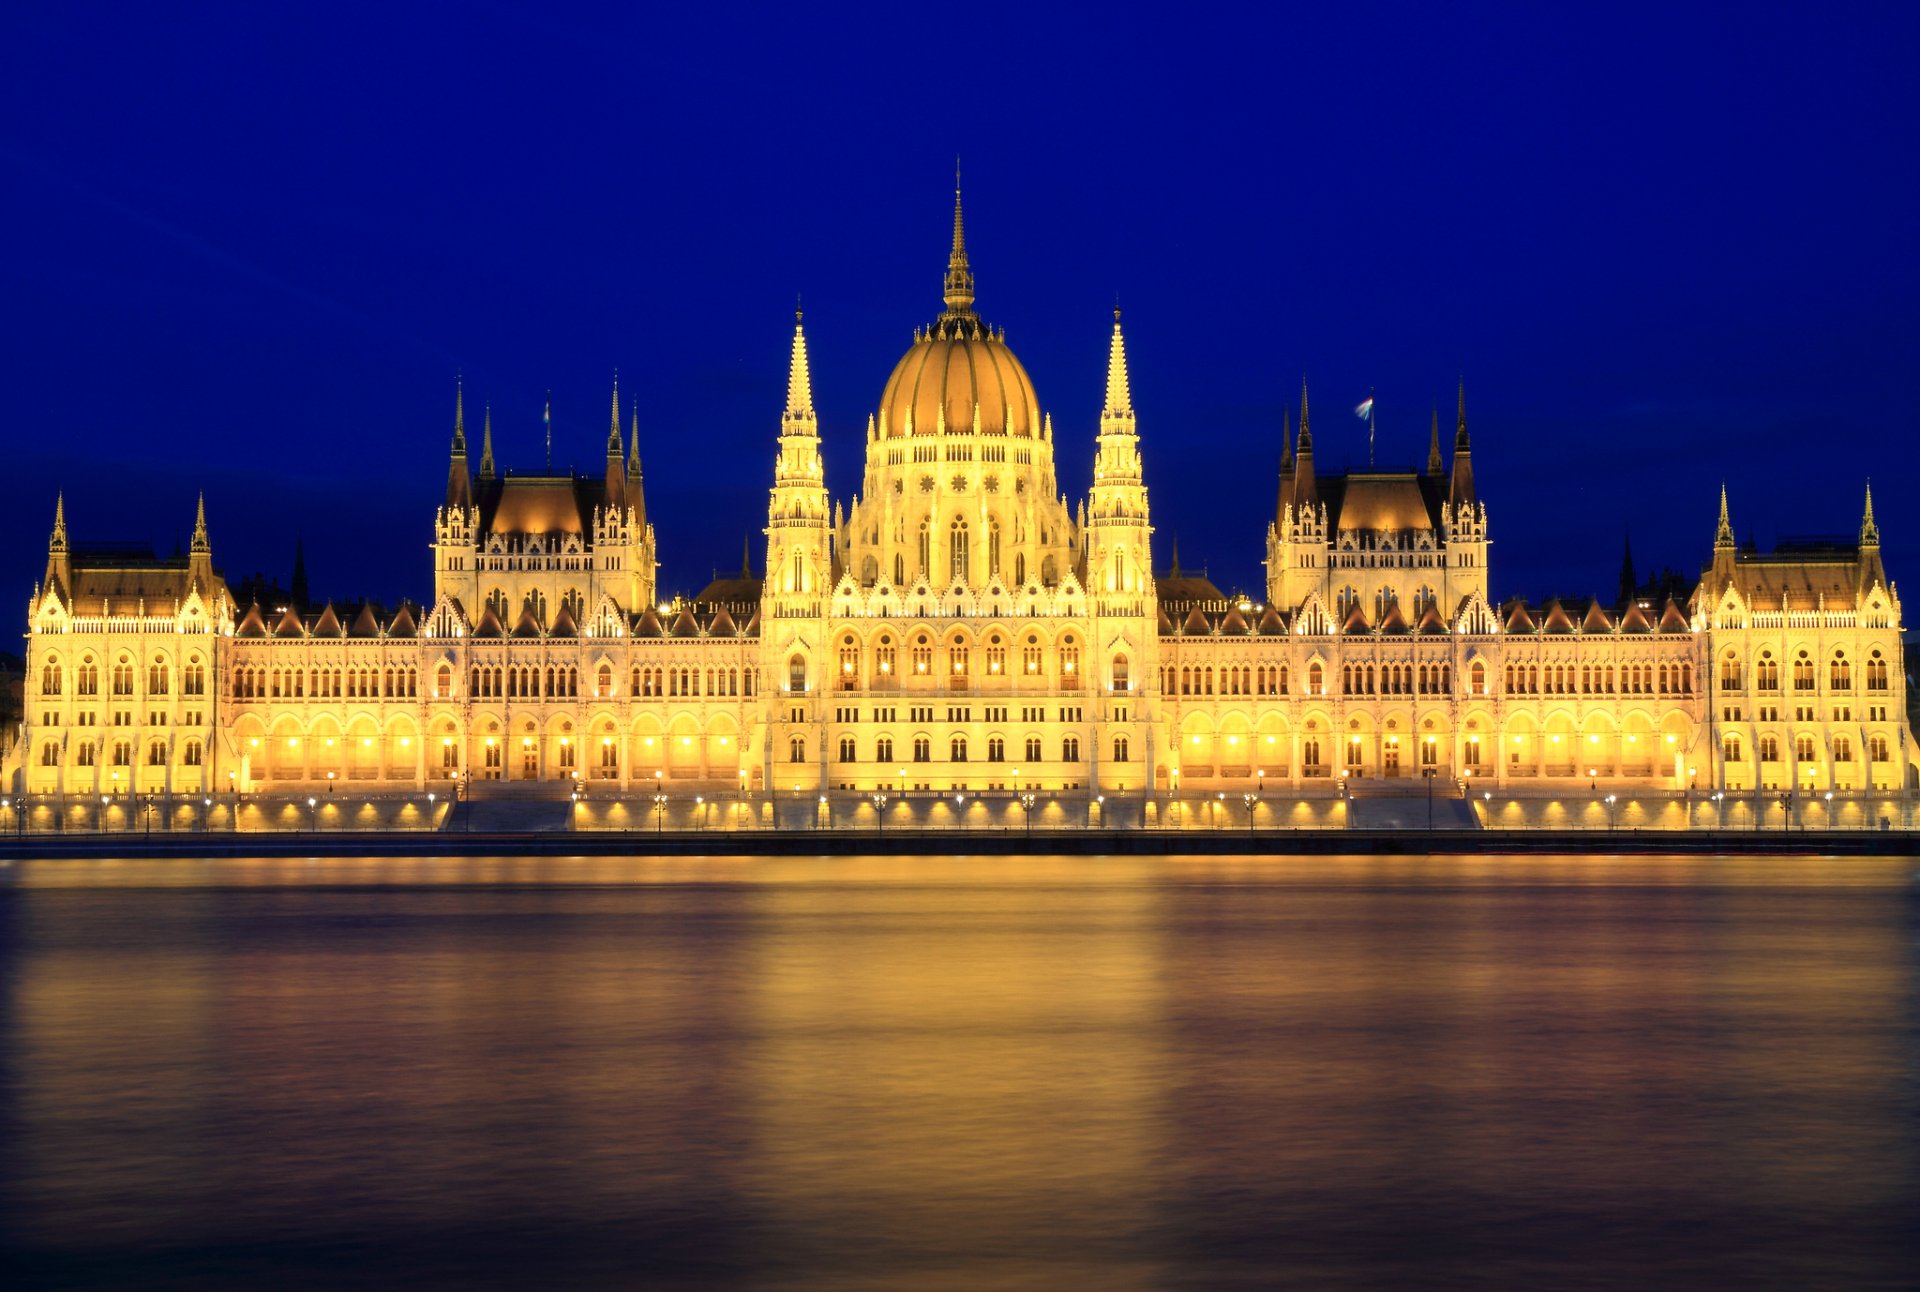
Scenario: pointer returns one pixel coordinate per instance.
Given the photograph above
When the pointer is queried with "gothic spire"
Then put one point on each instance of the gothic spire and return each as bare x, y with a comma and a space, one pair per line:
799, 380
459, 480
614, 446
486, 446
616, 456
200, 543
633, 458
1119, 393
1723, 540
1306, 489
59, 540
1869, 532
1461, 492
1434, 464
959, 284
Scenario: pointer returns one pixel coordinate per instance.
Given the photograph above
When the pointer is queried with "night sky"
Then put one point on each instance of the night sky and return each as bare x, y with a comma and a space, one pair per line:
248, 251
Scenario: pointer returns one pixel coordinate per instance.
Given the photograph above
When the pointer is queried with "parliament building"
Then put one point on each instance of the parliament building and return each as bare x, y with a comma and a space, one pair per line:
963, 627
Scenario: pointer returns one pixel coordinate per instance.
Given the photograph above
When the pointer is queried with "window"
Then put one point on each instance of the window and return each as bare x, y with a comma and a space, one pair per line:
1877, 748
996, 749
1766, 673
797, 674
1031, 656
993, 547
1876, 672
86, 754
1121, 677
603, 680
846, 749
1070, 749
1069, 659
50, 677
883, 656
1120, 749
922, 654
926, 550
443, 681
88, 681
1842, 749
958, 749
922, 749
1430, 752
958, 656
536, 605
123, 677
1033, 749
1316, 679
190, 754
157, 753
797, 750
996, 655
1730, 749
883, 749
1769, 749
50, 754
1730, 673
1802, 672
497, 602
957, 559
1479, 678
1839, 673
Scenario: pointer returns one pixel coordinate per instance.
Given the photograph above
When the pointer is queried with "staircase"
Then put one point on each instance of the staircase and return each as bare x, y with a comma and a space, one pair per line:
1401, 806
513, 807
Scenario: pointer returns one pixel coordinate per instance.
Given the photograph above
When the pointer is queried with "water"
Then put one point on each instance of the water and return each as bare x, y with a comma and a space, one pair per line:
904, 1073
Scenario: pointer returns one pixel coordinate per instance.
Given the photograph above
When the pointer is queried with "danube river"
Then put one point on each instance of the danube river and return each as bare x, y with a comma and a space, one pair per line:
1009, 1073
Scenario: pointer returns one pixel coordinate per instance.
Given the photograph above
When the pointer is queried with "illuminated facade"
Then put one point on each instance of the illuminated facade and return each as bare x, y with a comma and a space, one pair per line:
960, 626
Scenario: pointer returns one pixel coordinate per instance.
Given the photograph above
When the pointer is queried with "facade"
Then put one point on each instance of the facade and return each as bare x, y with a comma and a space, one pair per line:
961, 626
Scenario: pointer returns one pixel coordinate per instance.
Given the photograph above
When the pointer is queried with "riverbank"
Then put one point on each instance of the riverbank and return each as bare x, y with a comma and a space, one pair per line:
851, 842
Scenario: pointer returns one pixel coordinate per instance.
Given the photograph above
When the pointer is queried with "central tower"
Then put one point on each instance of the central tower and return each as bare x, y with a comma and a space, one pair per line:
959, 488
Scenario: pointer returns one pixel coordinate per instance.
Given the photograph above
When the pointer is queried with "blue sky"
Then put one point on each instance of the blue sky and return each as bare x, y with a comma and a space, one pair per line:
246, 250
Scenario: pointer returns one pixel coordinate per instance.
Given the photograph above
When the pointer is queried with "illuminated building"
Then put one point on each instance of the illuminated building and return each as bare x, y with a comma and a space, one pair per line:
959, 626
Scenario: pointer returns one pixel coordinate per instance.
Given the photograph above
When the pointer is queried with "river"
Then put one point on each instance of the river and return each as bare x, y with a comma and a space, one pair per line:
960, 1073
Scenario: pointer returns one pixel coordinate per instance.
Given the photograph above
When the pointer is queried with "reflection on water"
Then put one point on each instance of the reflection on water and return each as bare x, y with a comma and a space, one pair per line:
888, 1073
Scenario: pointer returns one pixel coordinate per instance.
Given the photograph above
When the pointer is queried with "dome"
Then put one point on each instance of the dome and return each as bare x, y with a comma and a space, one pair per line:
947, 374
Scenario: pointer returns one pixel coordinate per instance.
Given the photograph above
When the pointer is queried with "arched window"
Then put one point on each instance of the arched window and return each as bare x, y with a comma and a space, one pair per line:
993, 547
959, 659
603, 680
1122, 681
123, 676
1876, 672
1766, 673
797, 750
883, 749
957, 556
1316, 679
1069, 660
1802, 672
996, 749
190, 755
1119, 749
926, 549
1032, 656
50, 676
1070, 749
958, 749
1842, 749
1730, 673
1769, 749
899, 569
922, 749
849, 665
1840, 673
1803, 748
88, 682
1730, 749
923, 655
846, 749
537, 606
1033, 749
1478, 682
574, 604
797, 673
883, 656
497, 602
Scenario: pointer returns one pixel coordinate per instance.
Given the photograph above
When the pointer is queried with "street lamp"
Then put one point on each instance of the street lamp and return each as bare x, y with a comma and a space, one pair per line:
1026, 802
1611, 798
660, 813
880, 810
1249, 799
313, 811
1427, 774
700, 802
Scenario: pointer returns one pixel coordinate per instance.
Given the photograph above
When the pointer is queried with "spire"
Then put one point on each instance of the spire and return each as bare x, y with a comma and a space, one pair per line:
59, 540
746, 556
1723, 540
959, 284
486, 447
200, 543
1174, 571
799, 380
1434, 464
1119, 393
200, 558
1869, 532
1461, 493
633, 458
616, 457
459, 480
59, 576
1306, 489
614, 446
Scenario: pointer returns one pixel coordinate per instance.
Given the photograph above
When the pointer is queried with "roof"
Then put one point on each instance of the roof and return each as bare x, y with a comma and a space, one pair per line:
1381, 500
948, 377
539, 504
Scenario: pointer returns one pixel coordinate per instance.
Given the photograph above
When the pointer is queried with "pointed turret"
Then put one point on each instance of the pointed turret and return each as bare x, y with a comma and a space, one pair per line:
799, 378
1871, 571
616, 458
1869, 531
636, 491
200, 553
59, 553
459, 480
1306, 490
1435, 466
1114, 533
1461, 494
486, 447
959, 282
1119, 392
1723, 540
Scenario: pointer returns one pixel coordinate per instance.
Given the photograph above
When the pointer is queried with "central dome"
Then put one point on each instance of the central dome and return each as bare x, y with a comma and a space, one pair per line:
959, 378
963, 379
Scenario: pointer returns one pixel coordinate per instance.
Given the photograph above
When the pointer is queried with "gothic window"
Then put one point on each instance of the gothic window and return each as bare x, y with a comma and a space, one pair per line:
1802, 672
537, 606
959, 659
603, 680
123, 677
926, 549
1031, 656
883, 749
1877, 748
922, 655
1730, 749
497, 602
1730, 673
883, 656
1769, 747
958, 749
50, 754
1070, 749
1121, 678
157, 753
1119, 749
86, 754
996, 749
899, 569
1069, 659
957, 553
122, 753
1316, 679
1766, 673
797, 673
1876, 672
1033, 749
922, 749
849, 665
50, 676
1842, 749
88, 682
846, 749
1478, 684
797, 750
1840, 673
574, 604
1019, 568
1803, 748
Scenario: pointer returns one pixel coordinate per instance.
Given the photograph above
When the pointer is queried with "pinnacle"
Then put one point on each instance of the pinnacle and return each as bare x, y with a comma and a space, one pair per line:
1119, 393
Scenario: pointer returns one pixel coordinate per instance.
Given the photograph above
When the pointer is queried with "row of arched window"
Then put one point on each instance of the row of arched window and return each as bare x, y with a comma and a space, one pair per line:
261, 682
652, 681
1767, 670
1600, 679
85, 753
957, 749
193, 678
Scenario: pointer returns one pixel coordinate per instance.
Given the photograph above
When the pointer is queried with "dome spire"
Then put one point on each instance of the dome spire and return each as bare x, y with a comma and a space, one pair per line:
959, 284
1119, 393
799, 380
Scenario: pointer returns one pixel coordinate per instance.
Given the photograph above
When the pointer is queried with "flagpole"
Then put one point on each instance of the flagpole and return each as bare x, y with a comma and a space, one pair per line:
547, 417
1370, 415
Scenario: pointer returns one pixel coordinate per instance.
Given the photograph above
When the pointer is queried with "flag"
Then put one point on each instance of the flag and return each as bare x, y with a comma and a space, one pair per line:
1365, 408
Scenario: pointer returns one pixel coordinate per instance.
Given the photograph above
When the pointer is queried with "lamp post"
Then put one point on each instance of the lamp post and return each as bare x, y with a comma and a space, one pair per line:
1611, 799
880, 810
1026, 802
700, 806
1427, 774
660, 813
313, 815
1829, 798
1249, 799
1219, 800
429, 809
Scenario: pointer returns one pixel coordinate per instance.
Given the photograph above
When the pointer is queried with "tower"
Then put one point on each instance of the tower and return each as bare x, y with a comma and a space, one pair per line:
1465, 518
456, 523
